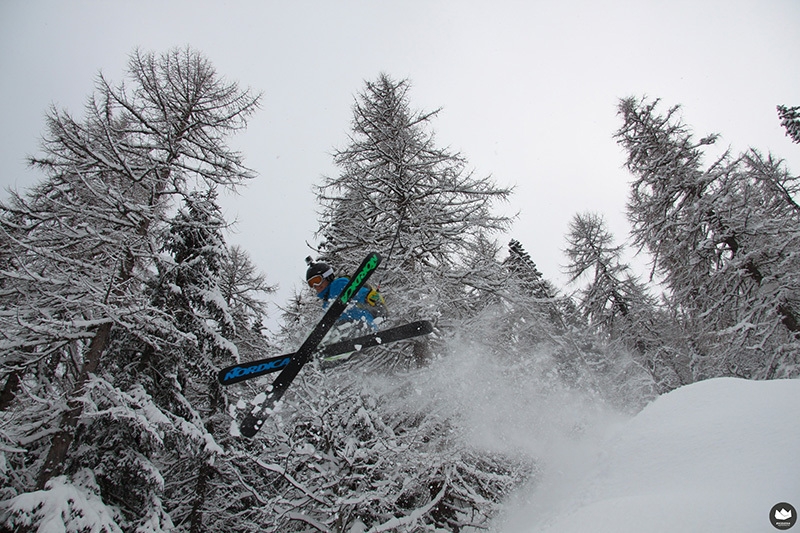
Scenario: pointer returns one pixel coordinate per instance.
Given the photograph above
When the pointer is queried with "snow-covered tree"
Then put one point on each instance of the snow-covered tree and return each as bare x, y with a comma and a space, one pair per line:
374, 455
399, 194
198, 280
528, 277
519, 309
612, 292
723, 237
188, 291
243, 288
543, 297
790, 119
347, 452
617, 307
84, 247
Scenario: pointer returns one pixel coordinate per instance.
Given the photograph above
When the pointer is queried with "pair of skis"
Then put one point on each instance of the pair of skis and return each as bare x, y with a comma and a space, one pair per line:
291, 364
328, 354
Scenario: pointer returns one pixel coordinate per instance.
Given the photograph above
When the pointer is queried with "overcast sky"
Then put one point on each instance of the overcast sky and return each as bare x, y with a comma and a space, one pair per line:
528, 90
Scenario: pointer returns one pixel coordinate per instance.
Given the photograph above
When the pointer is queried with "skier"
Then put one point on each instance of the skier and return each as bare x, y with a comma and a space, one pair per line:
264, 403
369, 308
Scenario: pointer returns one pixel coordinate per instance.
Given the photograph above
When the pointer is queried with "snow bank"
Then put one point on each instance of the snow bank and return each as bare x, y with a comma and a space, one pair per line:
712, 456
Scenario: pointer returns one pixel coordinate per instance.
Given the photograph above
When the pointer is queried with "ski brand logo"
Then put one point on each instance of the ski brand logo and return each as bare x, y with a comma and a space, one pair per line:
240, 371
370, 265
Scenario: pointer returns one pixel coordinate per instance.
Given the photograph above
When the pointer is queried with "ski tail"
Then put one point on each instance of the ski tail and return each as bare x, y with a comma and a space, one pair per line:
406, 331
253, 369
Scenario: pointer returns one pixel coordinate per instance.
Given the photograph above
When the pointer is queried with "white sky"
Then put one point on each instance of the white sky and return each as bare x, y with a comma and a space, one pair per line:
528, 91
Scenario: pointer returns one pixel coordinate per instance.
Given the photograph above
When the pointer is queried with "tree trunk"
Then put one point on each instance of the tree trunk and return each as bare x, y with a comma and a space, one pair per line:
788, 318
201, 488
54, 464
206, 470
9, 390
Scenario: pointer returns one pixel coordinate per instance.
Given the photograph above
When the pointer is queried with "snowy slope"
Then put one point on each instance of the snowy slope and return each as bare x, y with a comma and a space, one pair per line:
712, 456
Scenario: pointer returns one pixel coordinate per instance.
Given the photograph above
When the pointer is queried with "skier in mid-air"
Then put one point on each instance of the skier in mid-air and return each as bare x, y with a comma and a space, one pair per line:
369, 307
337, 300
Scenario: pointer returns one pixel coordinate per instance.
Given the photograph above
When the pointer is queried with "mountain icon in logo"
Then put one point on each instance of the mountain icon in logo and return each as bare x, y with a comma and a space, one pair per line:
783, 516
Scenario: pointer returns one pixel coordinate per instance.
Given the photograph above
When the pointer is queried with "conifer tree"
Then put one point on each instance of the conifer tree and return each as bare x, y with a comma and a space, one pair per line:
342, 452
372, 453
242, 287
617, 307
532, 307
724, 239
78, 312
519, 262
611, 292
401, 195
790, 119
189, 291
544, 296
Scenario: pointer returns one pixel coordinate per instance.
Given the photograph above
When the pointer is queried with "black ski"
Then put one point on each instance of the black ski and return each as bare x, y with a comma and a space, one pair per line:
406, 331
255, 419
253, 369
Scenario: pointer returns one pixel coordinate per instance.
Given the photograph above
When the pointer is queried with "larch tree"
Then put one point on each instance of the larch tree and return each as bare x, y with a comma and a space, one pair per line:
723, 237
610, 294
617, 307
84, 246
398, 193
243, 288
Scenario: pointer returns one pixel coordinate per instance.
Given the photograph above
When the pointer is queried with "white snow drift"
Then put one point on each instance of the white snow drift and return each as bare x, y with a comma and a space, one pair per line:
712, 456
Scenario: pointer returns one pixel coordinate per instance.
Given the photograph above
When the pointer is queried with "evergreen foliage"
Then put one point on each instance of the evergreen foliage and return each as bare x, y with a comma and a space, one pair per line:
724, 237
109, 358
790, 119
241, 285
401, 195
617, 307
119, 301
374, 458
373, 455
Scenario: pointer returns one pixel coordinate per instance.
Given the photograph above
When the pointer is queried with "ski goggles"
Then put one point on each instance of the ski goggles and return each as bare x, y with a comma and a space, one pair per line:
313, 281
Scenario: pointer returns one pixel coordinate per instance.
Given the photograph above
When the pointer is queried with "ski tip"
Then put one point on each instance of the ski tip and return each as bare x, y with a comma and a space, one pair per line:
372, 260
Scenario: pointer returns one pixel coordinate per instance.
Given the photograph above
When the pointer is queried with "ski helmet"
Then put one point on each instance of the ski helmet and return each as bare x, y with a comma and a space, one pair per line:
318, 269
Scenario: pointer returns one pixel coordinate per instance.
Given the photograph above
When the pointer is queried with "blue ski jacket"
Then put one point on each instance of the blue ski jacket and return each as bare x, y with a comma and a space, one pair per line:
354, 313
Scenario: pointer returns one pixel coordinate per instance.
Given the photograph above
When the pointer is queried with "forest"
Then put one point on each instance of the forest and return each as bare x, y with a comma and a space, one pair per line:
120, 300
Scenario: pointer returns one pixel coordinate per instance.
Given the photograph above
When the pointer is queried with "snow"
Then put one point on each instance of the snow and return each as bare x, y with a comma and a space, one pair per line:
259, 398
712, 456
62, 508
